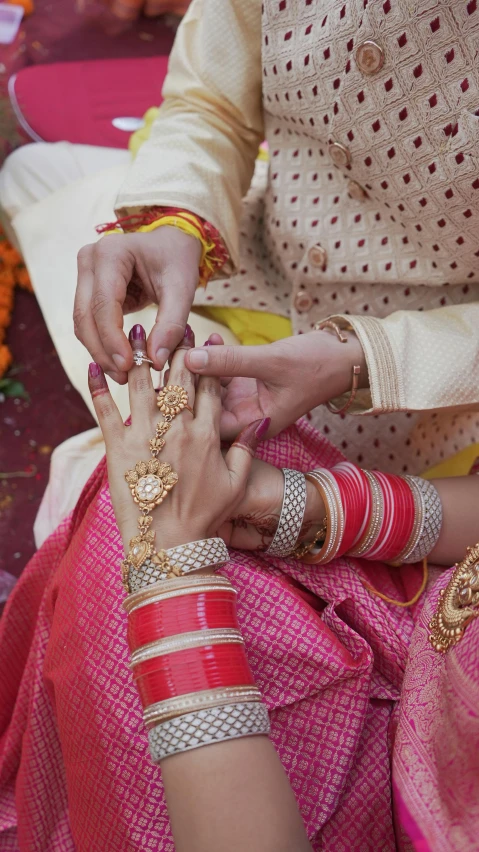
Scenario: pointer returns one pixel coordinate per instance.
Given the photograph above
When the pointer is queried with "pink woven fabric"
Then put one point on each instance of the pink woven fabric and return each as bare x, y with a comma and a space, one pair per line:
330, 658
436, 753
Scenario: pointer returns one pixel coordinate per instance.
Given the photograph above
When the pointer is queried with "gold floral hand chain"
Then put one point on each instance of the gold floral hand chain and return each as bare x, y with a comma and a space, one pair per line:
149, 483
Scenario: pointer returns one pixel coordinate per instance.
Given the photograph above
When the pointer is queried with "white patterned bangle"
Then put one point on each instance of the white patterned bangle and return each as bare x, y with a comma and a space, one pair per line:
206, 727
162, 711
208, 552
292, 514
432, 524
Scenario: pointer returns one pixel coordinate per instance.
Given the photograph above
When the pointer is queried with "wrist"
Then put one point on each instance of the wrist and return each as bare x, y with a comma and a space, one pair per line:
314, 514
171, 536
340, 358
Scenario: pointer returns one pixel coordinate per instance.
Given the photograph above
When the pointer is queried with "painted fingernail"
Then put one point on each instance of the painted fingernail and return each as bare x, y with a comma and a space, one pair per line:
137, 333
207, 343
262, 428
119, 362
94, 370
96, 379
189, 336
162, 356
198, 359
252, 434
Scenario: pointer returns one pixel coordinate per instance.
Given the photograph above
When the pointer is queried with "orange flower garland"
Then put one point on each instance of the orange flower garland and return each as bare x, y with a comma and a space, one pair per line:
12, 273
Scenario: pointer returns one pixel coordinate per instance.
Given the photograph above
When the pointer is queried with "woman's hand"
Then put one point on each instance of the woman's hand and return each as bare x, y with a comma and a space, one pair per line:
257, 516
210, 486
282, 380
122, 273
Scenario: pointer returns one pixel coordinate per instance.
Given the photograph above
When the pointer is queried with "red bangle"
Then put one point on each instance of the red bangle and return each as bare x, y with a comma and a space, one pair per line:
404, 499
185, 614
356, 502
398, 518
192, 670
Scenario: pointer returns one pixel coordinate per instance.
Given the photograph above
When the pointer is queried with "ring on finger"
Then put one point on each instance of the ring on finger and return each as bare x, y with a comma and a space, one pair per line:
172, 399
140, 357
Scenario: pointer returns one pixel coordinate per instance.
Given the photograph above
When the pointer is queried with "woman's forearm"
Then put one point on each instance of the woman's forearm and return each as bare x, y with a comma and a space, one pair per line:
235, 796
460, 518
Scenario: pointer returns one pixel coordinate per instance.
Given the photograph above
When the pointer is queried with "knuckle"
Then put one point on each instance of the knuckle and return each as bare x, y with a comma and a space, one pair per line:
99, 301
84, 256
78, 320
183, 376
108, 244
213, 389
232, 358
107, 410
142, 385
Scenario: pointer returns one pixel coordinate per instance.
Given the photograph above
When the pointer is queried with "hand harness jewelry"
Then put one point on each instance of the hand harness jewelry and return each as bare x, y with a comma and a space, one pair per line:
149, 483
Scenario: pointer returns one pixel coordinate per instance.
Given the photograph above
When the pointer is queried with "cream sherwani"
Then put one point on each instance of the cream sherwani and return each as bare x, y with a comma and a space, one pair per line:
370, 206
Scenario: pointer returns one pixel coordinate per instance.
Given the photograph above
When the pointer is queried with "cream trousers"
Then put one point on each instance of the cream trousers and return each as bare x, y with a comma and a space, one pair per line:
51, 198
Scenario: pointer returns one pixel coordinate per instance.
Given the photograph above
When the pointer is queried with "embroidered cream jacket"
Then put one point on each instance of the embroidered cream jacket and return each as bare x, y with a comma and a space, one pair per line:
369, 207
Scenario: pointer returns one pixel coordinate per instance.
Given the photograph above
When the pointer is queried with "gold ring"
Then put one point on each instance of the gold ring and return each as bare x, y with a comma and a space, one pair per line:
172, 399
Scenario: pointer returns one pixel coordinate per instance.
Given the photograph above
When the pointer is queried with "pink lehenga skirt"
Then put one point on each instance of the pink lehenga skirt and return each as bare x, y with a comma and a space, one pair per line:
370, 771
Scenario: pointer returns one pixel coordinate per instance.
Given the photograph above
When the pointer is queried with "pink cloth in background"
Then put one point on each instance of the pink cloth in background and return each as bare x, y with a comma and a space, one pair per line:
330, 658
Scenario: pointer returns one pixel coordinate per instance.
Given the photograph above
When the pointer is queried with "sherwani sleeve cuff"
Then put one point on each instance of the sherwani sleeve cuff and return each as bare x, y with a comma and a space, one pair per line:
420, 360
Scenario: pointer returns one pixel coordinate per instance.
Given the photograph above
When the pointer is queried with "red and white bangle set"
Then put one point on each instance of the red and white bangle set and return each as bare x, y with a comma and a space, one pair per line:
376, 515
189, 665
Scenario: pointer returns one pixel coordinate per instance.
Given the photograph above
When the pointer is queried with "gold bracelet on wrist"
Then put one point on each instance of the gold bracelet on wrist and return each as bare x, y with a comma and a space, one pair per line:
319, 326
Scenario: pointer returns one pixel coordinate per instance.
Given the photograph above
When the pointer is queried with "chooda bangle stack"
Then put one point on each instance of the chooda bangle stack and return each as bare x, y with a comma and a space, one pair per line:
187, 652
375, 516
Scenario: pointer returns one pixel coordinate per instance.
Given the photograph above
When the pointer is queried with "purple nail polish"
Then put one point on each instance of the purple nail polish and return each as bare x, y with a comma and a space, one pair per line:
96, 380
262, 428
207, 343
189, 336
137, 333
94, 370
252, 434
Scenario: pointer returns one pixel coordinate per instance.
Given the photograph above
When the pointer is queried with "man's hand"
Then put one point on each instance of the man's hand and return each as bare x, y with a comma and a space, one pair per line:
125, 272
282, 380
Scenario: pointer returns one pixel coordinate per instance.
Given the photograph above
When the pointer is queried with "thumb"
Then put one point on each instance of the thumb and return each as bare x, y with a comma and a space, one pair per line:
256, 362
241, 453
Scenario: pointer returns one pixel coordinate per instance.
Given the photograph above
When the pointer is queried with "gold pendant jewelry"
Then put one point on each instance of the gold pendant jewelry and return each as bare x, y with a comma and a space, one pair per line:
458, 603
149, 483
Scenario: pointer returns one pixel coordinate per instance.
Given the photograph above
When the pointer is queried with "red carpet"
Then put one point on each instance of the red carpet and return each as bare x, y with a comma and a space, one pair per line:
29, 430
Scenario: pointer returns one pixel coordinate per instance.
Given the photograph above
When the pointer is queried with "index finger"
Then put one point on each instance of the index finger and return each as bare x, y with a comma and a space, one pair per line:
83, 322
113, 269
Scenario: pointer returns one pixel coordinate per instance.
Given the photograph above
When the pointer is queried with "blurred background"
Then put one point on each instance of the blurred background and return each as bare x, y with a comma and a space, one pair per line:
85, 71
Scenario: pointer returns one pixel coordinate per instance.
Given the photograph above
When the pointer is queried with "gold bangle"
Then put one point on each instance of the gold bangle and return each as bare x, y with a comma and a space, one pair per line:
306, 546
319, 326
329, 493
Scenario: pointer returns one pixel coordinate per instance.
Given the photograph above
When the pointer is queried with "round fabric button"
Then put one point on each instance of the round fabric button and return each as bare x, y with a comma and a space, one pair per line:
317, 256
369, 57
302, 301
356, 191
339, 154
